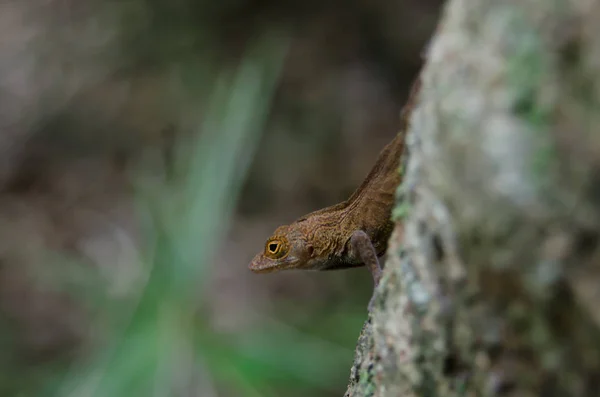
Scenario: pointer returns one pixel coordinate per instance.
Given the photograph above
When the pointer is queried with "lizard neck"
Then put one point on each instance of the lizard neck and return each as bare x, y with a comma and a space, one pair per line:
369, 207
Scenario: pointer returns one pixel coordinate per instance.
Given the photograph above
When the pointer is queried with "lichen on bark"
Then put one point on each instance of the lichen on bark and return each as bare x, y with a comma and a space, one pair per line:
493, 276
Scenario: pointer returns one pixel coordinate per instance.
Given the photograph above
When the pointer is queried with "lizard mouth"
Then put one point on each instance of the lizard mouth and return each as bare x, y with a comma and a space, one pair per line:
260, 264
257, 269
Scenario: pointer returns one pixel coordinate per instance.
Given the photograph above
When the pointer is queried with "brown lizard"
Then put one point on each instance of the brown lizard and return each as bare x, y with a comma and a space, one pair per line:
349, 234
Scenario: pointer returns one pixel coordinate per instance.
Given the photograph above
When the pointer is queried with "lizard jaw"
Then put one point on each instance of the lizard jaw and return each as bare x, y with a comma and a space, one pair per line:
260, 264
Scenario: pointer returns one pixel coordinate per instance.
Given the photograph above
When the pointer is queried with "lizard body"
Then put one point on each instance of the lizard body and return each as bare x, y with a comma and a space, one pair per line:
349, 234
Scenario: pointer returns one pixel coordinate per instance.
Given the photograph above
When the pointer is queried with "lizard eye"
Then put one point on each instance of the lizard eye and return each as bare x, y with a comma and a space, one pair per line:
275, 248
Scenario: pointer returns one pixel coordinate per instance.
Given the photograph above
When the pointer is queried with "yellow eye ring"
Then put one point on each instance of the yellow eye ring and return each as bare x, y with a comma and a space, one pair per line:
276, 248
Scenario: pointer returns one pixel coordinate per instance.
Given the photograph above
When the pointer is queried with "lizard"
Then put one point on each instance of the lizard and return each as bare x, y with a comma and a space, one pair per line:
350, 234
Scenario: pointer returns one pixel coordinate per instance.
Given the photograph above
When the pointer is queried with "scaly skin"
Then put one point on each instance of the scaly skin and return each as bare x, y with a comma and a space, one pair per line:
349, 234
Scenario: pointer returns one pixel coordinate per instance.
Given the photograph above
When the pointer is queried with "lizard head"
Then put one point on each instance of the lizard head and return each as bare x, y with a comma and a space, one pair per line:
287, 248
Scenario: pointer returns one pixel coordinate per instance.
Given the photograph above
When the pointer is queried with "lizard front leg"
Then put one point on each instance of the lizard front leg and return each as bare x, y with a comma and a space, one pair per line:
363, 248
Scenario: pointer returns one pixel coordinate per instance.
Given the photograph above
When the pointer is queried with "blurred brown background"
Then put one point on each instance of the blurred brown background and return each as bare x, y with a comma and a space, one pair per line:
89, 93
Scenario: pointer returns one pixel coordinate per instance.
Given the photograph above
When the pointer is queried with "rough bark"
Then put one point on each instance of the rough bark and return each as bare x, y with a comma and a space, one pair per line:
492, 284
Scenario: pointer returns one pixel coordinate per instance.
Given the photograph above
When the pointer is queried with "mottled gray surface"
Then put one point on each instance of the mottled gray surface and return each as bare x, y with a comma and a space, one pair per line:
493, 280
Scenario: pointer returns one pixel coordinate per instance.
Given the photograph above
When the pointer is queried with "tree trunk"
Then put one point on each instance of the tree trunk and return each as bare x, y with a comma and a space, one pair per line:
492, 285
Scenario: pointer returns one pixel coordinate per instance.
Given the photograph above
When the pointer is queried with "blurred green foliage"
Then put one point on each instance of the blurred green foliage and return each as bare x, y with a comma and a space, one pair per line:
162, 344
117, 72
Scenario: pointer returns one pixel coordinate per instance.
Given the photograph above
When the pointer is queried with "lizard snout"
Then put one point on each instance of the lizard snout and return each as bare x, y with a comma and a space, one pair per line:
260, 264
